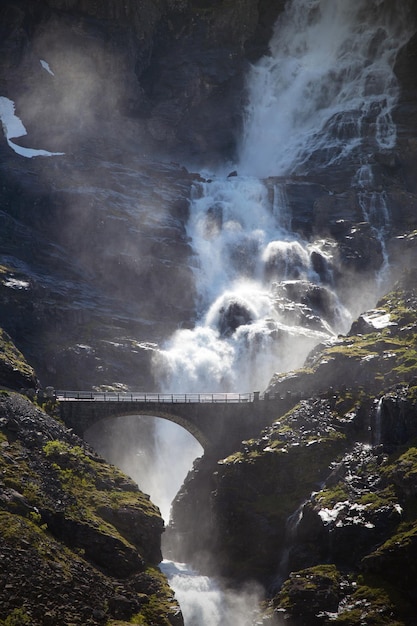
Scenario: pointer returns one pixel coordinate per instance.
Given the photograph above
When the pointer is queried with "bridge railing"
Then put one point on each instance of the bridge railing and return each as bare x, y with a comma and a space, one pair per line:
111, 396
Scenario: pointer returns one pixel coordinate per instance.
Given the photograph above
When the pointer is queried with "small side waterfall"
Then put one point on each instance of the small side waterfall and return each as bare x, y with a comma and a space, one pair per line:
290, 535
376, 428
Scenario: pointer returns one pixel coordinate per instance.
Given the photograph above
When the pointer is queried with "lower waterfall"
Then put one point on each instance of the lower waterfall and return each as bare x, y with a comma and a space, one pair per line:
204, 602
159, 466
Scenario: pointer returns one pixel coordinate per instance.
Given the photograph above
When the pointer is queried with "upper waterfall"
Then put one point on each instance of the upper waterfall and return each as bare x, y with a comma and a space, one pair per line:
267, 293
326, 86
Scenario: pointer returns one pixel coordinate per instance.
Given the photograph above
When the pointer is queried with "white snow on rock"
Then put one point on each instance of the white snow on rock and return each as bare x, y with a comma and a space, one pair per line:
14, 128
378, 318
46, 67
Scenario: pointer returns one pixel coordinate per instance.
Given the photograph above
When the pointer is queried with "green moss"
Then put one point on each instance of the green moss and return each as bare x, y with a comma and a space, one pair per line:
18, 617
300, 591
91, 488
375, 603
368, 600
12, 357
329, 497
25, 533
160, 604
378, 499
405, 537
404, 468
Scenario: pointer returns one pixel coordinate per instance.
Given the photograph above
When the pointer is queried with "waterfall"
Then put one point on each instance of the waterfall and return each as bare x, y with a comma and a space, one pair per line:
324, 94
327, 88
290, 536
376, 428
248, 325
266, 294
204, 603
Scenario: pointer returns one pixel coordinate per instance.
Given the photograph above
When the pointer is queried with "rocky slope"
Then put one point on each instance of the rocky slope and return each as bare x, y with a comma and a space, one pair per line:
79, 543
323, 500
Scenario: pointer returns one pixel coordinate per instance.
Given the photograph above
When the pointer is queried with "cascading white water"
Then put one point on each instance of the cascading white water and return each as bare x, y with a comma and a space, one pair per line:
204, 603
242, 251
330, 72
325, 93
376, 429
326, 90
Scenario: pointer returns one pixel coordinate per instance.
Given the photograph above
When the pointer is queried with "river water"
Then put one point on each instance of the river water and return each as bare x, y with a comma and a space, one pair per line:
324, 94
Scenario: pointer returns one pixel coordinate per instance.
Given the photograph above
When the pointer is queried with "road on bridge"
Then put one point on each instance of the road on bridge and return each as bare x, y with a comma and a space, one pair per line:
140, 396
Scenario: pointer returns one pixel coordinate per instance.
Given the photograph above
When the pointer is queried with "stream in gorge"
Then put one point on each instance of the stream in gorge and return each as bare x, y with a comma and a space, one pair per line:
267, 295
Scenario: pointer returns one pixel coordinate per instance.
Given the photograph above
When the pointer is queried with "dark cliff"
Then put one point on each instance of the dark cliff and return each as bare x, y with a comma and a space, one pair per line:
95, 258
79, 543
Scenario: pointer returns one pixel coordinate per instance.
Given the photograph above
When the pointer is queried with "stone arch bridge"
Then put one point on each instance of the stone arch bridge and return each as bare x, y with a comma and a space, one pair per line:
218, 421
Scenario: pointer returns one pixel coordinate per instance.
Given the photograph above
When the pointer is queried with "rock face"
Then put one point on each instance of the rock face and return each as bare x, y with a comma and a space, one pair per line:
79, 542
95, 258
15, 372
92, 271
174, 68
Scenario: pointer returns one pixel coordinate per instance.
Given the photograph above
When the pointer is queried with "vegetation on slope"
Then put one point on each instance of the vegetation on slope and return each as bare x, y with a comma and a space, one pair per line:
79, 543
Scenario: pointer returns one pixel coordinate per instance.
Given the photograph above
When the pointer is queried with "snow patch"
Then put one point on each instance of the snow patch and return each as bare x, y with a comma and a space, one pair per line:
46, 67
14, 283
14, 128
377, 318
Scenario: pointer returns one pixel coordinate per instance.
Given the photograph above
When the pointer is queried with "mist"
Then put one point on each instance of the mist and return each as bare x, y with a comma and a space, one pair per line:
203, 601
155, 453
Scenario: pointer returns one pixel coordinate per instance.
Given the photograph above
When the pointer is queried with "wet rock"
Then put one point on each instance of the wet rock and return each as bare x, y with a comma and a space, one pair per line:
214, 221
233, 316
307, 594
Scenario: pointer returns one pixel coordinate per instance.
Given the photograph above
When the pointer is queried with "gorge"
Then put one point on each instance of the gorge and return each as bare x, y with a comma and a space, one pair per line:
213, 196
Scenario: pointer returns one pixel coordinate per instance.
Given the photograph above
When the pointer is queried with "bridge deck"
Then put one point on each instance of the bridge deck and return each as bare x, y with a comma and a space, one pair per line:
110, 396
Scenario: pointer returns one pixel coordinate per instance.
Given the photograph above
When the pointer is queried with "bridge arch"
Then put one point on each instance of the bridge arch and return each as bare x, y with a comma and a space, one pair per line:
163, 414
